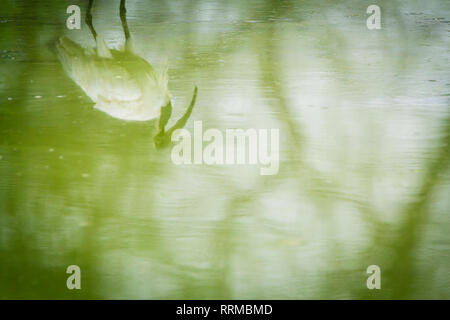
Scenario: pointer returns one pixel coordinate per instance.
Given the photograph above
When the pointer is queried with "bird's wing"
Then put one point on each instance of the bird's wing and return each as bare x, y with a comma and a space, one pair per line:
98, 76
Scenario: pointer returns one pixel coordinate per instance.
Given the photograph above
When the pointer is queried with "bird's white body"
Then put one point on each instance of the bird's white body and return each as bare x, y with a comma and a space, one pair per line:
121, 83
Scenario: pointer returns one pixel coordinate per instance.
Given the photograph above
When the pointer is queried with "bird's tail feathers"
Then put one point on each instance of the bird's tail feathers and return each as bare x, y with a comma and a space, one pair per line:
69, 47
67, 50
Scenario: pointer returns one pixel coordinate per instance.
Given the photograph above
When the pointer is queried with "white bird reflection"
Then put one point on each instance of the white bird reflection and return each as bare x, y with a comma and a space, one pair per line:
121, 83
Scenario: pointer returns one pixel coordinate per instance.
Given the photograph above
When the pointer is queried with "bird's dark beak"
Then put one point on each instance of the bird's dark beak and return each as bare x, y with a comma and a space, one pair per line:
163, 137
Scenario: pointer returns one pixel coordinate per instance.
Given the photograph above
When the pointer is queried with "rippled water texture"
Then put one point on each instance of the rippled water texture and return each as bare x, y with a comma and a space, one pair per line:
364, 154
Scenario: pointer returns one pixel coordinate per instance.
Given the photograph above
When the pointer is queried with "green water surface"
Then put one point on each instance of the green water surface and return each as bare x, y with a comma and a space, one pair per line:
363, 178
